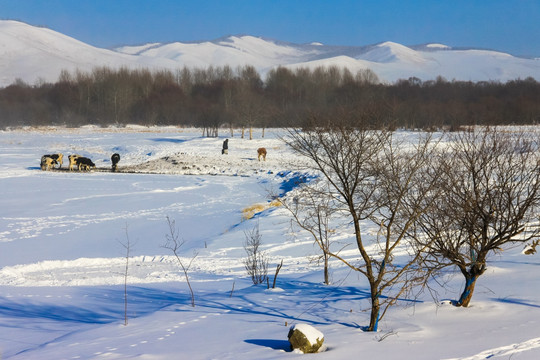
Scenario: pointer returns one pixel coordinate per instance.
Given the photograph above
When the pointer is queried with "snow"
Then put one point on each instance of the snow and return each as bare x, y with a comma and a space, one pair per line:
389, 52
438, 46
62, 262
35, 54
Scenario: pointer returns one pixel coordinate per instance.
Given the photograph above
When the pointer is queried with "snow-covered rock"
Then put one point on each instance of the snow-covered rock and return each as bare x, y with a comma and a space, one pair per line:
305, 338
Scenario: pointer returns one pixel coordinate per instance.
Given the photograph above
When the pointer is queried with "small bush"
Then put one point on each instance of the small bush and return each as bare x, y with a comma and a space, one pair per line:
256, 263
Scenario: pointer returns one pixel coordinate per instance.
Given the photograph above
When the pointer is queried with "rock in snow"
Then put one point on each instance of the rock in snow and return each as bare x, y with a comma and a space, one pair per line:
305, 338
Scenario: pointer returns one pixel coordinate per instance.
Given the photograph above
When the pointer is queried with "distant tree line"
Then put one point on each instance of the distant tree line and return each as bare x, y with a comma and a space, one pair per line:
219, 97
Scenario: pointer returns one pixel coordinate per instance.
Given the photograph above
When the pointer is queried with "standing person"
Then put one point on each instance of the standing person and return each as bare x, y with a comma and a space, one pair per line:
225, 149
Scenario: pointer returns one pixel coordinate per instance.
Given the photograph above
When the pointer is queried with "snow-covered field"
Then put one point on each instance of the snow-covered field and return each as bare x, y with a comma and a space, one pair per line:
62, 261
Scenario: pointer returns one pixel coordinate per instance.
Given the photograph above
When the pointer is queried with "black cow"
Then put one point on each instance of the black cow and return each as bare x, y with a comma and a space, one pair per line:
84, 163
115, 158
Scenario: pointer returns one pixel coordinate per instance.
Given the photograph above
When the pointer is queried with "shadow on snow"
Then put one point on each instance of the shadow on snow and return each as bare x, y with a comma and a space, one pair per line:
273, 344
293, 180
516, 302
171, 140
297, 301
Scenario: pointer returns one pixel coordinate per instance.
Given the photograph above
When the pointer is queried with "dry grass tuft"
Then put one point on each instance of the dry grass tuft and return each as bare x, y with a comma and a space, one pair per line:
255, 209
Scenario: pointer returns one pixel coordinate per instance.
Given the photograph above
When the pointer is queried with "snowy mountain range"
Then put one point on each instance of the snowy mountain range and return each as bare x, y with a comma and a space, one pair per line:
35, 54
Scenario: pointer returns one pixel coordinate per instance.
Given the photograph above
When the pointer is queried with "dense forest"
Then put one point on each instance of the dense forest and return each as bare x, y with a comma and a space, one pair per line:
214, 98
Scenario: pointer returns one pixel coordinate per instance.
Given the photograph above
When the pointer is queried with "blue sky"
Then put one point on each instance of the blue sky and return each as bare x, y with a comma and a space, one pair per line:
507, 25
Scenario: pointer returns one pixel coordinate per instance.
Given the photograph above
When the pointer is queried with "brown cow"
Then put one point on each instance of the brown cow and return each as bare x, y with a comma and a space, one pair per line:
261, 152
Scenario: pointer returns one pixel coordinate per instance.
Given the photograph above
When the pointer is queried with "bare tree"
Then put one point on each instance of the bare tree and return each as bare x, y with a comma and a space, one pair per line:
312, 209
174, 244
127, 245
490, 197
372, 180
256, 262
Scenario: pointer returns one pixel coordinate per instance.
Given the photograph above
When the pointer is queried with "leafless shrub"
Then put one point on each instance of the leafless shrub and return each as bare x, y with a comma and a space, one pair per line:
531, 248
256, 262
127, 245
174, 244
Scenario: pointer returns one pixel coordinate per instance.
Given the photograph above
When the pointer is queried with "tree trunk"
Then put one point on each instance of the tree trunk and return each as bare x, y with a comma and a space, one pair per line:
465, 298
277, 272
375, 310
326, 270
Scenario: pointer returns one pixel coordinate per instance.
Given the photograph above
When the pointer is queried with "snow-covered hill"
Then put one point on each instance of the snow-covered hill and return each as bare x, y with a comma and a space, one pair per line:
32, 53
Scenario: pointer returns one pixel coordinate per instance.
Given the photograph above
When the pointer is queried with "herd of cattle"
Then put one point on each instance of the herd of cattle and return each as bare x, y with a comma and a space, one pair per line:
48, 162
